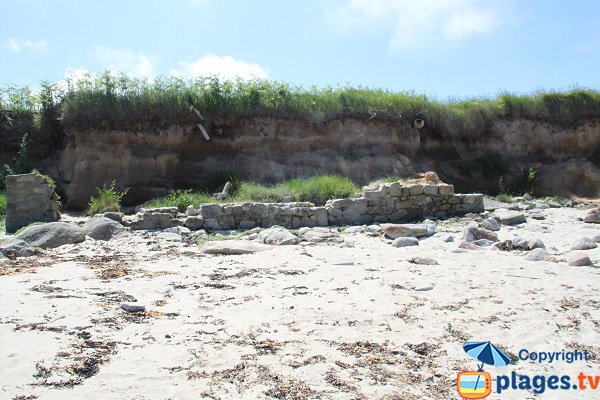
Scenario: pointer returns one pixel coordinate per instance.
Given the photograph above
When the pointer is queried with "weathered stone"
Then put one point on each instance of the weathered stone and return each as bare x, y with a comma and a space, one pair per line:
592, 217
407, 230
405, 242
133, 307
490, 224
445, 189
354, 229
430, 190
247, 224
53, 234
170, 236
415, 190
16, 248
233, 247
207, 211
423, 261
211, 224
578, 259
191, 211
373, 230
102, 228
152, 219
178, 230
277, 236
483, 242
114, 215
508, 217
535, 244
193, 223
29, 198
472, 233
537, 254
320, 214
583, 243
596, 237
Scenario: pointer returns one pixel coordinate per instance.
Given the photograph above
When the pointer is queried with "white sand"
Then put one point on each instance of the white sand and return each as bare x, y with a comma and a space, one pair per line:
289, 322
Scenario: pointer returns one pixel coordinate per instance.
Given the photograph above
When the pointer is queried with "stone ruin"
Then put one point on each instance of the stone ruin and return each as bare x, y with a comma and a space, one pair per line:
389, 202
29, 198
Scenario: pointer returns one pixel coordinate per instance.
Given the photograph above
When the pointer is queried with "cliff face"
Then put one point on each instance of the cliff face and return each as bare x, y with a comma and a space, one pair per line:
152, 161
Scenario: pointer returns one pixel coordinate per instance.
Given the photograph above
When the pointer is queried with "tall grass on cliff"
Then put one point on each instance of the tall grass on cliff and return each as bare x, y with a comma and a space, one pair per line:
107, 101
108, 199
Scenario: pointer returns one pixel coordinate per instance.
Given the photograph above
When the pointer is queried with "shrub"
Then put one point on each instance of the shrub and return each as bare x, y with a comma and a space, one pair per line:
108, 199
2, 204
181, 199
319, 189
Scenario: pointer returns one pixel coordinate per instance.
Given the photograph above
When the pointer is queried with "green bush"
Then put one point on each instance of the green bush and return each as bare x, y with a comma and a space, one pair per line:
108, 199
181, 199
319, 189
2, 204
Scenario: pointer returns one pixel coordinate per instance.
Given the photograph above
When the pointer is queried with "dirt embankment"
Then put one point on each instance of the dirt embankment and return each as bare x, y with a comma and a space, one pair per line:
152, 161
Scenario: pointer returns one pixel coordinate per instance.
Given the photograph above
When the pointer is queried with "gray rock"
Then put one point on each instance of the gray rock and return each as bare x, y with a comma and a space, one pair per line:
155, 218
373, 230
527, 197
210, 211
343, 261
114, 215
472, 233
395, 231
424, 288
491, 204
423, 261
509, 217
354, 229
164, 290
405, 242
592, 217
321, 235
482, 242
467, 245
520, 243
583, 243
596, 237
233, 247
3, 258
277, 236
247, 224
537, 254
102, 228
170, 236
191, 211
535, 244
193, 223
16, 248
53, 234
179, 230
490, 224
578, 259
133, 307
287, 199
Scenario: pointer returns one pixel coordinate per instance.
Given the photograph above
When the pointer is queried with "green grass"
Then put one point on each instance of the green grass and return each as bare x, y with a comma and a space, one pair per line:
106, 101
108, 199
316, 189
2, 205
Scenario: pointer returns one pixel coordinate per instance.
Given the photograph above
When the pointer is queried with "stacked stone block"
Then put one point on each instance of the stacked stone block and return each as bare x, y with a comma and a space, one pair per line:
29, 198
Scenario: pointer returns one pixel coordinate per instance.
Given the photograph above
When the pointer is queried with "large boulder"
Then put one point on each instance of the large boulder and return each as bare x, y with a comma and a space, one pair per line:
102, 228
277, 235
508, 217
51, 235
405, 242
16, 248
395, 231
233, 247
578, 259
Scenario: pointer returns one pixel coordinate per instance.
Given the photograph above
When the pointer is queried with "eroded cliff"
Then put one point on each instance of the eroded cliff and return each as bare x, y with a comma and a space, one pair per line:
152, 161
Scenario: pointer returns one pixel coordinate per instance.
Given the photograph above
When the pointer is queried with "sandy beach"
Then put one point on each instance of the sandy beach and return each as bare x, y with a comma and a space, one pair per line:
345, 316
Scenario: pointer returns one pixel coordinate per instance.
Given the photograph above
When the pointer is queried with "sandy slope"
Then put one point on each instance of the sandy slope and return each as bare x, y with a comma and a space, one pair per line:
291, 322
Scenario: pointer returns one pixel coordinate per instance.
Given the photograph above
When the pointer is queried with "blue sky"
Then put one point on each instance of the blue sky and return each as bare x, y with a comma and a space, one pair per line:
443, 48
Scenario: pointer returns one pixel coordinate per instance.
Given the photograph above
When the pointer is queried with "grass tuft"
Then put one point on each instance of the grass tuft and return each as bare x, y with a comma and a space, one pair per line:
108, 199
2, 204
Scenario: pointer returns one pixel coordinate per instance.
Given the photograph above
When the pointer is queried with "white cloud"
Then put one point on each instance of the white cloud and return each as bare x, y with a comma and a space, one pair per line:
17, 45
412, 24
225, 67
126, 61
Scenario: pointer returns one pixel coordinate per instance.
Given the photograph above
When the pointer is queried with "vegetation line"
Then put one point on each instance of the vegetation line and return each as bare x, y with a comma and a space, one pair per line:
108, 101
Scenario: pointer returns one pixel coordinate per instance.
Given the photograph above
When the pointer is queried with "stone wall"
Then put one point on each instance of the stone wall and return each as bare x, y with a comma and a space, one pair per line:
29, 198
392, 202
